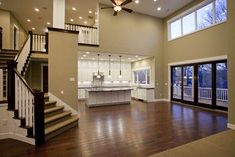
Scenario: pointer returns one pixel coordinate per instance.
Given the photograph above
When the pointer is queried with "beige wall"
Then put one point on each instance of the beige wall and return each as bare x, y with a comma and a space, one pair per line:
33, 74
5, 24
231, 60
7, 21
62, 66
131, 34
149, 62
203, 44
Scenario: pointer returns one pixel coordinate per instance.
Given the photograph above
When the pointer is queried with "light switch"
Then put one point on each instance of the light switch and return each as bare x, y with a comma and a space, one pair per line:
72, 79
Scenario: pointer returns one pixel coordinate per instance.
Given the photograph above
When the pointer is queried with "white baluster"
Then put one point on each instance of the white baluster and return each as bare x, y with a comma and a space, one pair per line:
16, 92
23, 100
1, 84
20, 99
31, 110
27, 106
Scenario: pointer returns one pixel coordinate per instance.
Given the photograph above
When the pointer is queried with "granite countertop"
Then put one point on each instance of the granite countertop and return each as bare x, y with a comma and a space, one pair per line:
109, 89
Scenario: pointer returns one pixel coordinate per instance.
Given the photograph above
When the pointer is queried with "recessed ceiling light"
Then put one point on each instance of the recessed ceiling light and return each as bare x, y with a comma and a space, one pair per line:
71, 20
159, 8
33, 28
48, 23
28, 20
0, 3
84, 55
87, 52
85, 22
137, 1
90, 12
129, 58
80, 17
139, 58
155, 0
36, 9
74, 9
81, 57
136, 56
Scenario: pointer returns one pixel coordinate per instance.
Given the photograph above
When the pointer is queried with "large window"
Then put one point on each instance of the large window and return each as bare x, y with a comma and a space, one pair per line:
202, 16
142, 76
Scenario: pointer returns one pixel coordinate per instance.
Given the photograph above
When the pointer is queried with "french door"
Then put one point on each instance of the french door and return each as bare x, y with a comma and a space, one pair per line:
201, 84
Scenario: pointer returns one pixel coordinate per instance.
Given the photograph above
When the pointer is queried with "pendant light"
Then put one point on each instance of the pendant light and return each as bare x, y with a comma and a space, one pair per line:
109, 76
98, 73
120, 74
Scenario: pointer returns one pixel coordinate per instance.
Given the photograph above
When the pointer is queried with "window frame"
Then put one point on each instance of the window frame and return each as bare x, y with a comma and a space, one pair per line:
191, 10
141, 69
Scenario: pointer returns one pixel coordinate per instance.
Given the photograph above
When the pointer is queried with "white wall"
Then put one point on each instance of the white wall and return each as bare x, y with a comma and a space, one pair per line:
86, 69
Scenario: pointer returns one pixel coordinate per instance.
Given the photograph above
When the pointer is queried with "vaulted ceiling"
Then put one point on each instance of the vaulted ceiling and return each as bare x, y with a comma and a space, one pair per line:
24, 10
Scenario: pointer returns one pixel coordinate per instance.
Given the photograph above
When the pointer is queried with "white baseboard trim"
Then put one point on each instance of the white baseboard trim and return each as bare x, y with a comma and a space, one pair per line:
59, 101
231, 126
17, 137
158, 100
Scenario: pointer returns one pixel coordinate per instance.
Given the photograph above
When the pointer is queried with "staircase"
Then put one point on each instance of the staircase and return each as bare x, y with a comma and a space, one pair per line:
5, 55
56, 119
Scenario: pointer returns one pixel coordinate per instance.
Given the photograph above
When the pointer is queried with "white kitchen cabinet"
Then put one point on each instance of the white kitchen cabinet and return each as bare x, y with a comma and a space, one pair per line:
145, 94
81, 94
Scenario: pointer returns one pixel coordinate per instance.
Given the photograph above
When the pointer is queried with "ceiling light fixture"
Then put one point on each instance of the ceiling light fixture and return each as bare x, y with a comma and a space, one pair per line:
120, 74
28, 20
90, 12
71, 20
159, 8
155, 0
87, 52
74, 9
48, 23
33, 28
0, 3
137, 1
36, 9
80, 17
117, 8
85, 22
136, 56
98, 73
109, 76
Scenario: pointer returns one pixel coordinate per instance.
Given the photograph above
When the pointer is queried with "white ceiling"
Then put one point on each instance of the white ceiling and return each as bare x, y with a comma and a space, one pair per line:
114, 57
24, 9
149, 7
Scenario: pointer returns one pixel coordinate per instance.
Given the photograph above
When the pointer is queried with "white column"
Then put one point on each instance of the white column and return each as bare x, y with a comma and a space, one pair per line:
59, 14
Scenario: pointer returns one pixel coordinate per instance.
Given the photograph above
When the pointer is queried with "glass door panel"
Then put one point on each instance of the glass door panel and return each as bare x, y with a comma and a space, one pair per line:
221, 84
176, 82
188, 90
205, 84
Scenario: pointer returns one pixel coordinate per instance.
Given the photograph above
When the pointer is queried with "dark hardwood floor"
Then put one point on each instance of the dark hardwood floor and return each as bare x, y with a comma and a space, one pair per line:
138, 129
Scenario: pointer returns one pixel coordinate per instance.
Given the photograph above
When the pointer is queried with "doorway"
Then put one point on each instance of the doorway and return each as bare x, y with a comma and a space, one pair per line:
201, 84
44, 77
15, 37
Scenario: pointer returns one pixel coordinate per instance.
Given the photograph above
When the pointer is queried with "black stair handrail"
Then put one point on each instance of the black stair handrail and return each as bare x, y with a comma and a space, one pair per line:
38, 101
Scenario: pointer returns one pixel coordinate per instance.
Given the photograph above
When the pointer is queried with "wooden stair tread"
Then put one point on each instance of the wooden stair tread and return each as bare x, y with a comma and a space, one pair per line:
46, 111
61, 125
58, 116
50, 102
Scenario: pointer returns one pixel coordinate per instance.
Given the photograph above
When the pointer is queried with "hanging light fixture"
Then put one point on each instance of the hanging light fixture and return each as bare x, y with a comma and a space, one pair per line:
109, 76
120, 74
98, 73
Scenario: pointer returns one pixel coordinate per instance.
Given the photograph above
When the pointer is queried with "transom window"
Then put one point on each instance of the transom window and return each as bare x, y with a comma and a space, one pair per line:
142, 76
200, 17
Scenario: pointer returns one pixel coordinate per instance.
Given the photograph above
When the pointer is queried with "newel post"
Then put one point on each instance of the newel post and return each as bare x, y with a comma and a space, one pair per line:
39, 118
11, 65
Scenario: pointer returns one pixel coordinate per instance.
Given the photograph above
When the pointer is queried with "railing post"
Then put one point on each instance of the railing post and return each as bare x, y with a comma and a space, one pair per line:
39, 118
46, 46
11, 84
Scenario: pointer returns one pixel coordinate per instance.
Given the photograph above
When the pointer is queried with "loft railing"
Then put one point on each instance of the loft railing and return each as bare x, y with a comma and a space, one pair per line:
203, 93
87, 35
39, 42
27, 104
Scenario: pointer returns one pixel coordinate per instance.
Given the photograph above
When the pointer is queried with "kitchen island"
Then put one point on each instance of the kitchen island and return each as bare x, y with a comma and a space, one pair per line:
108, 96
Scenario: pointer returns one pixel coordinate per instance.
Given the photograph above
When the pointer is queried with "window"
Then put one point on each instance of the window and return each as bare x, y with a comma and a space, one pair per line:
189, 23
205, 16
176, 29
142, 76
200, 17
